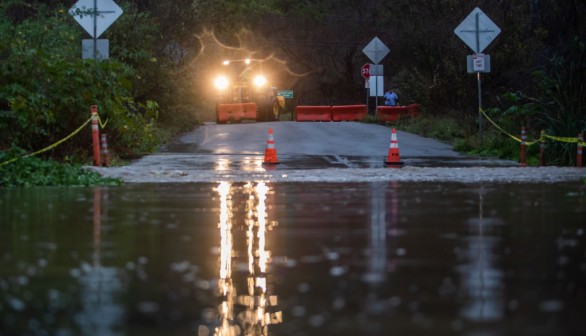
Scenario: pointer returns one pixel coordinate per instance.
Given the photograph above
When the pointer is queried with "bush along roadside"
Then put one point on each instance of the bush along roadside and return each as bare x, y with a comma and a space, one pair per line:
34, 171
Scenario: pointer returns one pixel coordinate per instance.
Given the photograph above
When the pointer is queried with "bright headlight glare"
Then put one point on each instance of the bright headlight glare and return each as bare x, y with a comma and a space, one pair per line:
221, 82
260, 80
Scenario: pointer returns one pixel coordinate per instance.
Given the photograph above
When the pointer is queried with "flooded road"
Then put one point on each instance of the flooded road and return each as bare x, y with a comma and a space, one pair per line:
279, 258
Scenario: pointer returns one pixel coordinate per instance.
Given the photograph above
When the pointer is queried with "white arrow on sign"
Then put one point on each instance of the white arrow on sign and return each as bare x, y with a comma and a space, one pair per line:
95, 16
477, 30
376, 50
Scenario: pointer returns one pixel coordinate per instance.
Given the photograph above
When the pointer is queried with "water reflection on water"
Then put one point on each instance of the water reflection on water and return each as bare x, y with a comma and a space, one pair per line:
342, 259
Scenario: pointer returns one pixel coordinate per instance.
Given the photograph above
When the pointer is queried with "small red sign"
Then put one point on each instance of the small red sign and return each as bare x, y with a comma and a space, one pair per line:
365, 71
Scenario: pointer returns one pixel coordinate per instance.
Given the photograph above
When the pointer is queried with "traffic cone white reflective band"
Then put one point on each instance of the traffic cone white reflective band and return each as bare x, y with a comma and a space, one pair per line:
393, 158
270, 151
105, 154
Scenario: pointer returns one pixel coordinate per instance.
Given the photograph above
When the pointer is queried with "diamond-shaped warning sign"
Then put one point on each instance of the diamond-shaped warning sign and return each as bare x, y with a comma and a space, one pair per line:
95, 19
477, 30
376, 50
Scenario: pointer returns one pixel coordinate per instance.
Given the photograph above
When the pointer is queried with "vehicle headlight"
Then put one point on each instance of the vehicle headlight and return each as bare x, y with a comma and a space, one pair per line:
221, 82
259, 80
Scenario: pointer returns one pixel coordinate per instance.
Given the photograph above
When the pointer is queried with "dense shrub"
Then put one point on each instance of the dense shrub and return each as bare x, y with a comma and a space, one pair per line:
46, 89
33, 171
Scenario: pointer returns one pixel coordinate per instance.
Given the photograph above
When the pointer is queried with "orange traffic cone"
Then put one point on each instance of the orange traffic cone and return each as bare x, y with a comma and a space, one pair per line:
394, 158
271, 152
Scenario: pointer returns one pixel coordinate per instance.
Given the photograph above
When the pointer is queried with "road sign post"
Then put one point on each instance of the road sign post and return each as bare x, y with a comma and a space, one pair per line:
95, 16
477, 30
376, 50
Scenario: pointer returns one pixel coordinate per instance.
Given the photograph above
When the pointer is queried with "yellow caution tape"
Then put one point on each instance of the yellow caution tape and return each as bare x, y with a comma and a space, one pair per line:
49, 147
102, 125
498, 127
529, 143
564, 139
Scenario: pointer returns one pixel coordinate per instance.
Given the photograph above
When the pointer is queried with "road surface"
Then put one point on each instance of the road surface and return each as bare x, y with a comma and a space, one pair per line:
320, 152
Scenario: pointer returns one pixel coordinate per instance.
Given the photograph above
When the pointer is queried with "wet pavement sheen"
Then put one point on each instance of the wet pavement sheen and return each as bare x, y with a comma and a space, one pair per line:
256, 258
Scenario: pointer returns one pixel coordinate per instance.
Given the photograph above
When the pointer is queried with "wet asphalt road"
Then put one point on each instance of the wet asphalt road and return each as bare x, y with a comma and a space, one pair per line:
320, 152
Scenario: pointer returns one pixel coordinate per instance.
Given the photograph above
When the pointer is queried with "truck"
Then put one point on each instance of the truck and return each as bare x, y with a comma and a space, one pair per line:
247, 100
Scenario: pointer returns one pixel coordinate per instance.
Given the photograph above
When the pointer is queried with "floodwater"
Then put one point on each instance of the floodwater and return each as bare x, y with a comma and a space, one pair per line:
380, 258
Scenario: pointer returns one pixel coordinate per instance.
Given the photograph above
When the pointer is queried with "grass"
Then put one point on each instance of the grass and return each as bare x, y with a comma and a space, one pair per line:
34, 171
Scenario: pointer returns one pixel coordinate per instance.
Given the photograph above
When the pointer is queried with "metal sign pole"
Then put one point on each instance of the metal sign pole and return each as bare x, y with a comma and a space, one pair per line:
479, 108
478, 79
376, 90
95, 29
366, 93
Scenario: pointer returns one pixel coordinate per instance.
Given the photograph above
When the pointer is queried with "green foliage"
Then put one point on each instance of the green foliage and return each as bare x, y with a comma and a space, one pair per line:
33, 171
46, 89
555, 104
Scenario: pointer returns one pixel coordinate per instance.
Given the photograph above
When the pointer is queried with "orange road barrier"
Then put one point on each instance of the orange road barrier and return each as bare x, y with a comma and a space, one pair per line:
390, 113
313, 113
393, 158
270, 151
542, 148
249, 111
523, 155
105, 154
579, 150
236, 112
394, 113
348, 112
95, 135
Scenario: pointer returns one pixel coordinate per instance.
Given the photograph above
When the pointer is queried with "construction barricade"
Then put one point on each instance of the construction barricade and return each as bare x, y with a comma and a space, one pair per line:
348, 112
390, 113
394, 113
236, 112
313, 113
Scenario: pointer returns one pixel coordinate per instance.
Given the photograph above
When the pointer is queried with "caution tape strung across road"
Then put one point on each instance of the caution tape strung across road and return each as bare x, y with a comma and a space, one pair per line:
529, 143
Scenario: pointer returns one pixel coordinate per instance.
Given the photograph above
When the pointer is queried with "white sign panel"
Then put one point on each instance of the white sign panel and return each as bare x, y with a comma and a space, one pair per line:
376, 50
475, 64
376, 85
477, 30
105, 13
478, 62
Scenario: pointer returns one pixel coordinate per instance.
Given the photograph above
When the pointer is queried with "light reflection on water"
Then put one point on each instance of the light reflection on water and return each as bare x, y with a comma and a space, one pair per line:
343, 259
257, 314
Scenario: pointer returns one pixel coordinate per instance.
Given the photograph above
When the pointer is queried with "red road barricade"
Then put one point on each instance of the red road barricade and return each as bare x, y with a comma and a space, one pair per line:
393, 113
235, 112
313, 113
348, 112
390, 113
